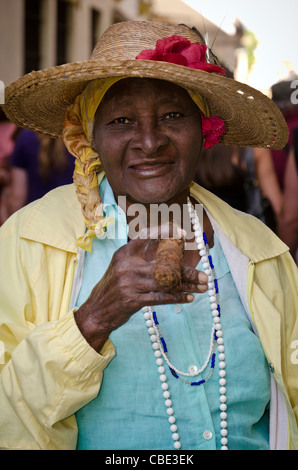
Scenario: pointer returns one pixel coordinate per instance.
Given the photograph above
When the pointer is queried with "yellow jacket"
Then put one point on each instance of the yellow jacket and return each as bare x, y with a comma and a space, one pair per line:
50, 370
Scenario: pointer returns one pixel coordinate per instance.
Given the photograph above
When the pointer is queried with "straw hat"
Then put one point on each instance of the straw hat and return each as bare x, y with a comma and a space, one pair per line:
38, 100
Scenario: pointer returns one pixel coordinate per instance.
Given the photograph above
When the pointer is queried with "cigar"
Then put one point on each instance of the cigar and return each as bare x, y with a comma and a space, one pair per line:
168, 262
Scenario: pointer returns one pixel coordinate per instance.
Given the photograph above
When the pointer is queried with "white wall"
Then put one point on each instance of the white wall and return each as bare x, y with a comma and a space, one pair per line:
11, 40
12, 32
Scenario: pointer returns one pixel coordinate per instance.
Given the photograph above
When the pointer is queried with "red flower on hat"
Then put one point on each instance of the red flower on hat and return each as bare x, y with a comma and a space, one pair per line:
179, 50
212, 127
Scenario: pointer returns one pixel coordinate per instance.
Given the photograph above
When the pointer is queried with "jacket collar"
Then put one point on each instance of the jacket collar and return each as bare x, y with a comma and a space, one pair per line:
56, 219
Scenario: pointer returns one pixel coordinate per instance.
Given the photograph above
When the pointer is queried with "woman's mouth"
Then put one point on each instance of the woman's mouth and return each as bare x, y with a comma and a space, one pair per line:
150, 170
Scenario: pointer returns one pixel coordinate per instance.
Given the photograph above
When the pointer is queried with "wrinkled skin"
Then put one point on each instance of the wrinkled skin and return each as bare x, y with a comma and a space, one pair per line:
147, 133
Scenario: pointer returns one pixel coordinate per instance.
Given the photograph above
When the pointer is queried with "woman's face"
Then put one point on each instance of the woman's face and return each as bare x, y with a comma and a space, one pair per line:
148, 136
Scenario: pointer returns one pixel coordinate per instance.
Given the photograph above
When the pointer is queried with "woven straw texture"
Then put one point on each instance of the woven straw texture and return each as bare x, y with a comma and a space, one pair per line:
38, 100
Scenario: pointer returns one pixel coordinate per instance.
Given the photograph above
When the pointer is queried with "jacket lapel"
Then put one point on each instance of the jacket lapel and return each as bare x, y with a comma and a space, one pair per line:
56, 219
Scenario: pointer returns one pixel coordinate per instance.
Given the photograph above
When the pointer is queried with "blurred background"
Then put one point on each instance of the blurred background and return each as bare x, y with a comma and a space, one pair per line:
256, 40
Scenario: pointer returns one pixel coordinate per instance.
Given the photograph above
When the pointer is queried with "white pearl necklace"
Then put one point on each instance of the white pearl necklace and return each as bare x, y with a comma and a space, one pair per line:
160, 349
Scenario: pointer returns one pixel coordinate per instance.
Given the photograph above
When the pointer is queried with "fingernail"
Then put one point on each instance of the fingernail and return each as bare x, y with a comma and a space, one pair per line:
203, 278
190, 297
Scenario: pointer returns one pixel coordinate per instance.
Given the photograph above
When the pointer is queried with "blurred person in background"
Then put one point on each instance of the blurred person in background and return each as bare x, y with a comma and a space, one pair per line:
289, 219
38, 165
281, 96
245, 178
285, 163
8, 134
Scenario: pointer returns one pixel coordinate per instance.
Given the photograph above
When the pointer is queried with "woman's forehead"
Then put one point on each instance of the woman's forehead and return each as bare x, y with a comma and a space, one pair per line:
124, 92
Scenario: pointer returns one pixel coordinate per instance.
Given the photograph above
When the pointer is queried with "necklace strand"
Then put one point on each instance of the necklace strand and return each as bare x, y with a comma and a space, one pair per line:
160, 348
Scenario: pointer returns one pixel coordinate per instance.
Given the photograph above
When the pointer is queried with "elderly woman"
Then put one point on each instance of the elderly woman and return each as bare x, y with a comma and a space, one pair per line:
98, 354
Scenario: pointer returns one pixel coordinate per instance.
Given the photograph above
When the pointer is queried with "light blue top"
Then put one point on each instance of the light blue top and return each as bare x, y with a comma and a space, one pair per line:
129, 411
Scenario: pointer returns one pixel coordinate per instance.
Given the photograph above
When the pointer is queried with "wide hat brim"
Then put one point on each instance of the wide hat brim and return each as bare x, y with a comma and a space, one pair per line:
38, 100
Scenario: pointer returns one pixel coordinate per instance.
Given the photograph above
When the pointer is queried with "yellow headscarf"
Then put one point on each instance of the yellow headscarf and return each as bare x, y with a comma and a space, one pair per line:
95, 91
78, 136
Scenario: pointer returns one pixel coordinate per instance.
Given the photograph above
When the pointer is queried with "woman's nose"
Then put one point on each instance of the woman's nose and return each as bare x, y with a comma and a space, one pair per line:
149, 139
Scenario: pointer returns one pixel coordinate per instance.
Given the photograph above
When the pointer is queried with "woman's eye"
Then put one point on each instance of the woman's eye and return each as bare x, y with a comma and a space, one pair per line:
121, 120
173, 115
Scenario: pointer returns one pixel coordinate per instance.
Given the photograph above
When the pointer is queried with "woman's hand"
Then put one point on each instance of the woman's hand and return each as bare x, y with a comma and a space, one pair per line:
126, 287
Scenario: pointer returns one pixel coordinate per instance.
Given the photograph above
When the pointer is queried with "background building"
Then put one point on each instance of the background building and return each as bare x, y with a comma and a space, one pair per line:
225, 45
36, 34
